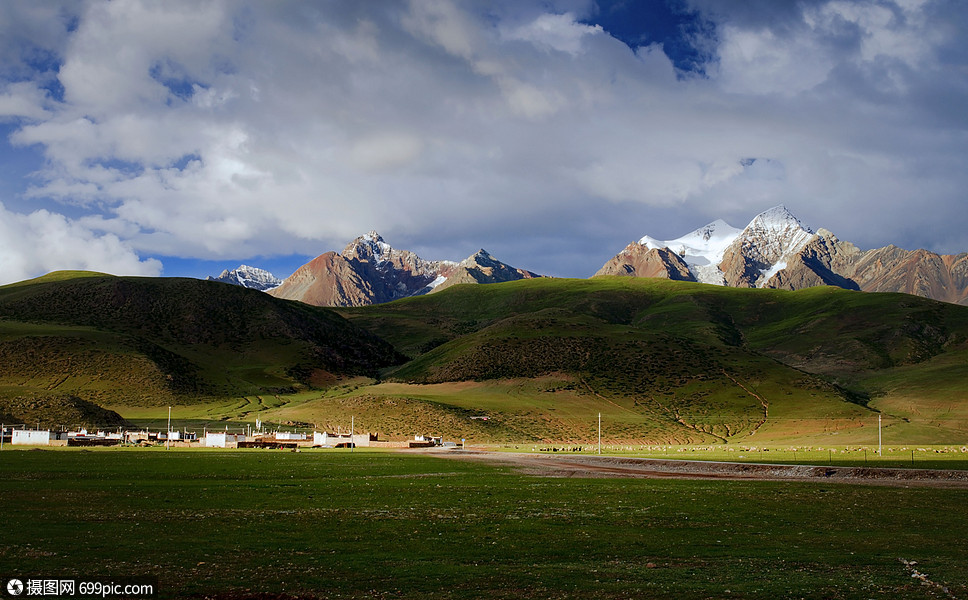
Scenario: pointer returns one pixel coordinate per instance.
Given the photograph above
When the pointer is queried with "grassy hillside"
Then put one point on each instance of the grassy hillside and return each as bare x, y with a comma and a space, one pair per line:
56, 412
664, 362
674, 362
153, 341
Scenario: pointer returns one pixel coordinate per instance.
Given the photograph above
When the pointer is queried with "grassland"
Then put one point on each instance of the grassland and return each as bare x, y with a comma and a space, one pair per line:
149, 342
677, 363
325, 524
665, 363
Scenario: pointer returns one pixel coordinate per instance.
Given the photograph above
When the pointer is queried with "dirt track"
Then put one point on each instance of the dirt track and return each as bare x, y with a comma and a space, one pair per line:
605, 466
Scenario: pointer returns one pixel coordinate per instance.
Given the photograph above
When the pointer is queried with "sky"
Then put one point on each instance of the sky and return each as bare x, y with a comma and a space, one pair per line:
181, 138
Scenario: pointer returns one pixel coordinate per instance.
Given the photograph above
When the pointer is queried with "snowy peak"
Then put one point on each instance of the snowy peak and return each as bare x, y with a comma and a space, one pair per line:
369, 246
248, 277
721, 254
702, 250
480, 267
703, 246
777, 221
776, 250
764, 248
718, 229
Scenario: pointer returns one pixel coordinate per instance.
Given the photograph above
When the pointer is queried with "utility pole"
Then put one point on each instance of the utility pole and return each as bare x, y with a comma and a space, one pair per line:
352, 427
599, 433
879, 436
168, 433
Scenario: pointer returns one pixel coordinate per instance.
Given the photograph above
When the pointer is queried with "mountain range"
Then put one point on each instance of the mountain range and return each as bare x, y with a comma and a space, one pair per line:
370, 271
775, 250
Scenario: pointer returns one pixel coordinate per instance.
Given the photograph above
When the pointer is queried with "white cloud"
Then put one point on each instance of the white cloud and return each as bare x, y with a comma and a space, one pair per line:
555, 32
760, 62
253, 128
385, 151
23, 100
123, 52
444, 24
40, 242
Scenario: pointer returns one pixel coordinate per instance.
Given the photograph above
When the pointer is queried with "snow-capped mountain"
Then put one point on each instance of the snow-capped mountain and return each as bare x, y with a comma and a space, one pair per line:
702, 250
249, 277
718, 253
763, 248
370, 271
776, 250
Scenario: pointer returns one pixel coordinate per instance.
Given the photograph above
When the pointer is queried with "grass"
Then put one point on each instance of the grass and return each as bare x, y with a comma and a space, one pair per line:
665, 362
379, 525
564, 410
680, 363
903, 457
162, 341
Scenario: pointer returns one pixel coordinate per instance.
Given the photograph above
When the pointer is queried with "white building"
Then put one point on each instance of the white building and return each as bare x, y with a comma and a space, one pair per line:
30, 437
223, 439
321, 438
285, 435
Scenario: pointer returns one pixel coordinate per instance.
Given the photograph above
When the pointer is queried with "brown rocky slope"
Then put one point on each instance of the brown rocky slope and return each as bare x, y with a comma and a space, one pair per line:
370, 271
776, 251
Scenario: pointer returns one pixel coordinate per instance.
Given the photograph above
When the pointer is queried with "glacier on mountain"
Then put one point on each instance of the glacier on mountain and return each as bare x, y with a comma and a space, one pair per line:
767, 241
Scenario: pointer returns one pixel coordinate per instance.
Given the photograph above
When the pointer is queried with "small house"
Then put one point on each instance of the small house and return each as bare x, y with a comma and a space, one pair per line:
31, 437
223, 439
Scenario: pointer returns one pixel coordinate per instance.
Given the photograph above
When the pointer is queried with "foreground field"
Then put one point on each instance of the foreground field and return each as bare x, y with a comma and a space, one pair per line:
328, 524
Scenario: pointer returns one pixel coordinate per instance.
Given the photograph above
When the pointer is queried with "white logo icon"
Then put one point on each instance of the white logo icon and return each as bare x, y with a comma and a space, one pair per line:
15, 587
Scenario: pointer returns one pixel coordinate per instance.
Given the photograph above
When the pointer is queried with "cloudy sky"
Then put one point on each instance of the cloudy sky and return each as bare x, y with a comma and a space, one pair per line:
180, 138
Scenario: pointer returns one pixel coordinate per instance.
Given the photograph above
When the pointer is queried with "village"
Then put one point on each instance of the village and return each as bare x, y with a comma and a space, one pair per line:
20, 435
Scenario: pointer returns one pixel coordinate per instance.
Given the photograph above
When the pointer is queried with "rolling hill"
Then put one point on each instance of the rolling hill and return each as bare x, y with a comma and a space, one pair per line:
154, 341
530, 361
672, 361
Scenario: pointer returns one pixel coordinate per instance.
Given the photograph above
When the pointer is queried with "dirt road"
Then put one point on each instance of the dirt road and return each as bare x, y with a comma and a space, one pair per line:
606, 466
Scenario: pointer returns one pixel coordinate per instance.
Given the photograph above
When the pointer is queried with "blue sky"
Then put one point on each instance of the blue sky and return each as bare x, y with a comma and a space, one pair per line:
182, 138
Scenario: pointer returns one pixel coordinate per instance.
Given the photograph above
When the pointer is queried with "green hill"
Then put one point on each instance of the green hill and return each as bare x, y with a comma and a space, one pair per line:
56, 412
158, 341
529, 361
678, 362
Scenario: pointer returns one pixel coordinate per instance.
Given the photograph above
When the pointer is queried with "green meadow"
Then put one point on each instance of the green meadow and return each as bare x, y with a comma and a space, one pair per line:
368, 524
529, 362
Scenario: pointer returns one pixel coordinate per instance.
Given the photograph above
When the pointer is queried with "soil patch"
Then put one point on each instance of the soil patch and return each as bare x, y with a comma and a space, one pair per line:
607, 466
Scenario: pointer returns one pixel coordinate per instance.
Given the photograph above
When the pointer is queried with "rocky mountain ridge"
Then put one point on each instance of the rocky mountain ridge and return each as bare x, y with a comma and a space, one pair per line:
777, 251
370, 271
248, 277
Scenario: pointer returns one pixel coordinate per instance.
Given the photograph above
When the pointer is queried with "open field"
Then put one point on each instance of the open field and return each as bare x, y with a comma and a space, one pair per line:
593, 465
323, 524
899, 457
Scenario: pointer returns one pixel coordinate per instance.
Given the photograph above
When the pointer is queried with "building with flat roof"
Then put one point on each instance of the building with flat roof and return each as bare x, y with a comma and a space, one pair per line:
31, 437
223, 439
